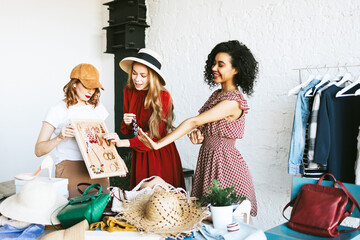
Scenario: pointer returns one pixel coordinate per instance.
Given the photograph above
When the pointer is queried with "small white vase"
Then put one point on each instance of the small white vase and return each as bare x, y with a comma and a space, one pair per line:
221, 216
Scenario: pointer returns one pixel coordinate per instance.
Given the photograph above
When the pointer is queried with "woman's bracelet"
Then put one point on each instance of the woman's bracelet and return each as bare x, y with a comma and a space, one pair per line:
58, 138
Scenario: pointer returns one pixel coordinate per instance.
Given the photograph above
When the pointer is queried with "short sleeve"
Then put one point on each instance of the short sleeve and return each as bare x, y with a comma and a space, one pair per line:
54, 113
237, 96
243, 104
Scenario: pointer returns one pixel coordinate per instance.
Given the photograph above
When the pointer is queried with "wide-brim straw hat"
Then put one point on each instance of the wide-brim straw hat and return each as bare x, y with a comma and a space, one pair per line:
147, 57
163, 213
76, 232
36, 202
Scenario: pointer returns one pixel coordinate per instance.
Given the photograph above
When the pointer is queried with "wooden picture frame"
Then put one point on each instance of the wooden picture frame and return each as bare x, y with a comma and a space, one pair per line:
100, 156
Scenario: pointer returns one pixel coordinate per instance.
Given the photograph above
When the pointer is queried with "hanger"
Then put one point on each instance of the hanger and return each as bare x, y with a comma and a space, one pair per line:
296, 89
338, 76
357, 93
319, 76
336, 81
342, 92
340, 80
311, 92
346, 78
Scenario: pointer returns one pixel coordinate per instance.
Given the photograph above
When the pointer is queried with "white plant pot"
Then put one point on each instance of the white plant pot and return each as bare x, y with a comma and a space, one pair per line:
221, 216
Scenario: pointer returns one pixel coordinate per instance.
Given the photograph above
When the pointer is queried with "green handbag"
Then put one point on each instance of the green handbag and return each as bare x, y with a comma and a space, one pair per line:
87, 206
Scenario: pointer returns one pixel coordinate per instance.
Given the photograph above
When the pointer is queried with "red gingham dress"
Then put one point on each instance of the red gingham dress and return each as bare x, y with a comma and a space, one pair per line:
218, 158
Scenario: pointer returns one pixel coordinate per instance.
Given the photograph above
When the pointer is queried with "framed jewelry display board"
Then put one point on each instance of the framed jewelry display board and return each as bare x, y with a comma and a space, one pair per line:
100, 156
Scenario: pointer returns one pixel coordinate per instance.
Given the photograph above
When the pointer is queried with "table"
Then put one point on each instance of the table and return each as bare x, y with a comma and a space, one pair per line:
97, 235
246, 232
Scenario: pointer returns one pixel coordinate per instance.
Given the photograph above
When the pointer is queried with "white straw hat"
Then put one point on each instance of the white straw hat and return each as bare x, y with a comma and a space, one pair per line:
35, 203
147, 57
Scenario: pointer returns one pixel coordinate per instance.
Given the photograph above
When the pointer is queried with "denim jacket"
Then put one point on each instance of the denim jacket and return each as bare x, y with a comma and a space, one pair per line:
297, 143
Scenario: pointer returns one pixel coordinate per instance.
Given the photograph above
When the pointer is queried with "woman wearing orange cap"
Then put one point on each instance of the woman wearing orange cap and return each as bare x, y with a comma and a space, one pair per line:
81, 101
149, 105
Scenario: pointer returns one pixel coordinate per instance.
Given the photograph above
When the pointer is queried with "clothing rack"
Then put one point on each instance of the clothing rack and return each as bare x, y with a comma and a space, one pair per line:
323, 67
316, 123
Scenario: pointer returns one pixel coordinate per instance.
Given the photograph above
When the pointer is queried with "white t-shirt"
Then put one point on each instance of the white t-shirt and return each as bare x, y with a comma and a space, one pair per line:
59, 115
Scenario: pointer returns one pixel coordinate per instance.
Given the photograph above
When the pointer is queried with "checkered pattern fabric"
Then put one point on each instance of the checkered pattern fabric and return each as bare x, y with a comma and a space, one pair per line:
218, 158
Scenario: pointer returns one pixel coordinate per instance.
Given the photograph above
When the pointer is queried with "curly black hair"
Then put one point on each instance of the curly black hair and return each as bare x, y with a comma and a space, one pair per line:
241, 59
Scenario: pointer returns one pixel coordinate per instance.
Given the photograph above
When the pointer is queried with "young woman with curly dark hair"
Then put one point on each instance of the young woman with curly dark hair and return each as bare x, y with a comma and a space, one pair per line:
221, 121
241, 59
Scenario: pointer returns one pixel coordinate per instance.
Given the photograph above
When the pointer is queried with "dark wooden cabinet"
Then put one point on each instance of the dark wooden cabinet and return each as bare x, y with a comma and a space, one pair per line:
125, 35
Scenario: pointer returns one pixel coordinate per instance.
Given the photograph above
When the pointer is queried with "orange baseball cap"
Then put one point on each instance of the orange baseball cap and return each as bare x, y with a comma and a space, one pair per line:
87, 74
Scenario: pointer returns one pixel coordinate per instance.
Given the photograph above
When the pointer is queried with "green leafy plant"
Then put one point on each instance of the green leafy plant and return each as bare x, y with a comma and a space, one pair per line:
218, 196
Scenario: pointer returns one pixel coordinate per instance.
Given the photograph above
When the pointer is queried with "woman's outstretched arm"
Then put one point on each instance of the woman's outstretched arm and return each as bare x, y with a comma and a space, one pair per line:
224, 109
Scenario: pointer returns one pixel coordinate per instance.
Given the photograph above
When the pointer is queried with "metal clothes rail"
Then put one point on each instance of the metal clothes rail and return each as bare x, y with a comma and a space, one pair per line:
323, 67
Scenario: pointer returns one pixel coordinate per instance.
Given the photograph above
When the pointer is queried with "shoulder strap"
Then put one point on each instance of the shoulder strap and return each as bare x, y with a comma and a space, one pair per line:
287, 205
62, 206
348, 212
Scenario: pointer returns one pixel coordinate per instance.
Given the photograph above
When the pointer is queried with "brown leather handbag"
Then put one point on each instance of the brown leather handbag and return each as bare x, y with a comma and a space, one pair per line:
319, 210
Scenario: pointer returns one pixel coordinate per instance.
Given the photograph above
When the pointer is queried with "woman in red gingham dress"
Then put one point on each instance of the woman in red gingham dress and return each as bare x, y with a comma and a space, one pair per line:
220, 122
218, 158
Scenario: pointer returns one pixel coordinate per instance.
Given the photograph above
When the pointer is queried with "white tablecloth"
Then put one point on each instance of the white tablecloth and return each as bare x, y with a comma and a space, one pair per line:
246, 232
100, 235
97, 235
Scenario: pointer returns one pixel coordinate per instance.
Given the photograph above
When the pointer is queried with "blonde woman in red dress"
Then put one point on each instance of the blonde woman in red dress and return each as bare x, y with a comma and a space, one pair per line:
220, 122
148, 104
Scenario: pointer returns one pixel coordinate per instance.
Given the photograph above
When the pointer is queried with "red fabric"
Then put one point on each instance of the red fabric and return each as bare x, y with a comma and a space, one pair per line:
146, 162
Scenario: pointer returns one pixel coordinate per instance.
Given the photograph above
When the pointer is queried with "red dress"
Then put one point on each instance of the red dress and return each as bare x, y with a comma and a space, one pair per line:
146, 162
218, 157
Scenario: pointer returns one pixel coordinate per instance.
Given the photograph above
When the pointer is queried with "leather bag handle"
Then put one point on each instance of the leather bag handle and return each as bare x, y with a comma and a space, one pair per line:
95, 185
323, 176
83, 184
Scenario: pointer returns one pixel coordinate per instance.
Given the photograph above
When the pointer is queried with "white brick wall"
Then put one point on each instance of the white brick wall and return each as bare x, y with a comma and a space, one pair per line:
282, 35
42, 40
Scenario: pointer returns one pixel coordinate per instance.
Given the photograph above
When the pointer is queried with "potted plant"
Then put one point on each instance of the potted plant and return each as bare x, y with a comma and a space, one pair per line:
221, 202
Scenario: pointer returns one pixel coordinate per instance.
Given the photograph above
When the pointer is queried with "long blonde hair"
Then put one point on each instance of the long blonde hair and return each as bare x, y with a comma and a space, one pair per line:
70, 94
153, 102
